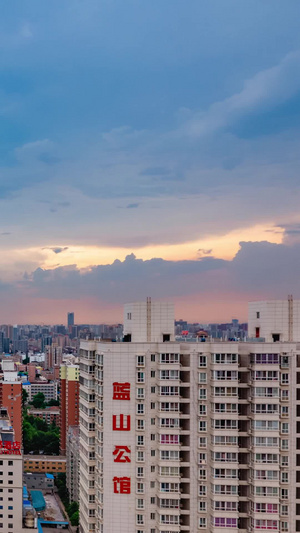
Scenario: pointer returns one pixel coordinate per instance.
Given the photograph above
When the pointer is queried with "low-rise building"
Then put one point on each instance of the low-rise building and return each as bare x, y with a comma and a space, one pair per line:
40, 481
48, 388
50, 414
44, 463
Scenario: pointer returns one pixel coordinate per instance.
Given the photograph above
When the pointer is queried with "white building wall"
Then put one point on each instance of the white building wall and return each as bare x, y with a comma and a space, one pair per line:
272, 317
149, 321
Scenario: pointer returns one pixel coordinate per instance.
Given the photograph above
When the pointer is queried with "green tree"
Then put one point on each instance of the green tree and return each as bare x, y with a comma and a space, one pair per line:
52, 402
74, 518
25, 396
39, 401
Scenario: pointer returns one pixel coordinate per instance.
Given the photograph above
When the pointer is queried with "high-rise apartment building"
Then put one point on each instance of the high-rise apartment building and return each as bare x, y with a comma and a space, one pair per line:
16, 515
188, 437
11, 396
69, 401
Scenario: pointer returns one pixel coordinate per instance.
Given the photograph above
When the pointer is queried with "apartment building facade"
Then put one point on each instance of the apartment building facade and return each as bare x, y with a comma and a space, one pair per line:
69, 401
14, 516
189, 437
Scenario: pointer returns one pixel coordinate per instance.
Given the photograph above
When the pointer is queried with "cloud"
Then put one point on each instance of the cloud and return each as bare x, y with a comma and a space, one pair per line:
132, 206
57, 249
259, 268
266, 89
204, 252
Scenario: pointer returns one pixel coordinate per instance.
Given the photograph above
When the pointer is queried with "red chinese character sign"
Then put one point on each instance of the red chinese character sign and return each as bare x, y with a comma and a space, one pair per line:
10, 448
121, 391
122, 454
122, 485
121, 422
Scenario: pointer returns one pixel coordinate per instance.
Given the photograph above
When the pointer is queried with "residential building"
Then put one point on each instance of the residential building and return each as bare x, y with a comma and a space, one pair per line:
188, 437
11, 397
69, 401
50, 414
48, 388
44, 463
72, 463
15, 514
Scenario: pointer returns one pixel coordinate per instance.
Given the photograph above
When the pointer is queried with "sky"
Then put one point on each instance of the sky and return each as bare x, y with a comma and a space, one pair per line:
148, 149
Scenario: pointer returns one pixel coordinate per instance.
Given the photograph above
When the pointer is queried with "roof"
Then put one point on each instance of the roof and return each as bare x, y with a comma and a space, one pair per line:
38, 500
49, 476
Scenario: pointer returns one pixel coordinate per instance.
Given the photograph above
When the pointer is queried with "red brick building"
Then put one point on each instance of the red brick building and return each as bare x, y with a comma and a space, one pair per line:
69, 401
11, 398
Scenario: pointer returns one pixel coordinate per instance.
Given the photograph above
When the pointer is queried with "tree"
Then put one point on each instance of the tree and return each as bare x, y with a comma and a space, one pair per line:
25, 397
39, 401
52, 402
74, 518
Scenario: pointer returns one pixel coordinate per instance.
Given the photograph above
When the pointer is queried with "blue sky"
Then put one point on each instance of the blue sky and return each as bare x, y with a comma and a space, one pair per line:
154, 128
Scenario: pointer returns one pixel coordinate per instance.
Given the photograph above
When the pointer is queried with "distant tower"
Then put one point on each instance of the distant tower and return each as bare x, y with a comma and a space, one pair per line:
70, 322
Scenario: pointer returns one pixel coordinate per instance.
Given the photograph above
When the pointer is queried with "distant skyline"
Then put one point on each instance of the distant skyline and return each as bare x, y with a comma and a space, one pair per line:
148, 149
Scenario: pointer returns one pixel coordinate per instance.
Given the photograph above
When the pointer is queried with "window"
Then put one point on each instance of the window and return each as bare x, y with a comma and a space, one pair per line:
140, 377
202, 442
140, 488
140, 409
202, 425
140, 457
285, 379
202, 410
202, 377
257, 314
140, 360
265, 359
140, 519
202, 522
202, 490
140, 440
202, 361
140, 424
140, 504
140, 471
169, 439
152, 373
202, 507
202, 394
153, 390
166, 358
140, 393
224, 522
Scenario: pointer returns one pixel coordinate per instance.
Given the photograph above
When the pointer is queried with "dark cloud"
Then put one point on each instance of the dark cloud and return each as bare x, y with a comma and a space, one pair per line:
57, 249
5, 233
204, 251
132, 206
